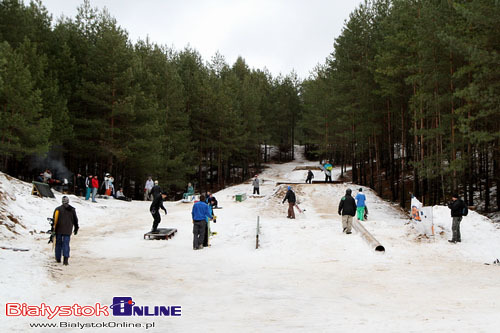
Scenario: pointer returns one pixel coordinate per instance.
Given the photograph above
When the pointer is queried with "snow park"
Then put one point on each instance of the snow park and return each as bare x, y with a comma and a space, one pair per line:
249, 166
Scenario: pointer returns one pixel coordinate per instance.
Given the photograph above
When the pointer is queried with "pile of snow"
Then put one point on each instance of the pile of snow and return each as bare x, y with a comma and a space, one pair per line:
306, 276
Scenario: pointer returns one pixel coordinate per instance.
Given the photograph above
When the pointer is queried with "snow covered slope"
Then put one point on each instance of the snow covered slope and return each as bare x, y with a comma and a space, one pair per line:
306, 276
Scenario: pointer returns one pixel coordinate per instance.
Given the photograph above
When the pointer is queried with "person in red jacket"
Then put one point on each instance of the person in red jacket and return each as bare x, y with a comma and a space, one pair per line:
95, 186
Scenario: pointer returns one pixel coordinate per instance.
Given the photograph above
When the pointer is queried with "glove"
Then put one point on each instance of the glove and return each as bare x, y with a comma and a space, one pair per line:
165, 212
339, 213
76, 231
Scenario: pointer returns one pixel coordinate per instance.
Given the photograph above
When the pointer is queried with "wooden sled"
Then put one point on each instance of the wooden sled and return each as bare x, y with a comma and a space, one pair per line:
163, 233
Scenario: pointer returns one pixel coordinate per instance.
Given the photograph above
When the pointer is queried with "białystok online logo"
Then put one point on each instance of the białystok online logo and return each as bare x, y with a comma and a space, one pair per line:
122, 306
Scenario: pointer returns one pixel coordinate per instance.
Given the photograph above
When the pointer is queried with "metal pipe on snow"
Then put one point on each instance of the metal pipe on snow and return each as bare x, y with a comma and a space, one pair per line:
374, 243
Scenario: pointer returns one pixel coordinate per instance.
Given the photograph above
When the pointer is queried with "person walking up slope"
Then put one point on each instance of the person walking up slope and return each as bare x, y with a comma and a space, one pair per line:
64, 220
361, 198
290, 196
347, 208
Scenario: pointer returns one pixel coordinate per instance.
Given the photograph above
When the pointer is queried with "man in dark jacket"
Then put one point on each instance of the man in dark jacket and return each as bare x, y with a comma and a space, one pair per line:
156, 190
347, 208
155, 207
290, 196
458, 208
64, 220
310, 176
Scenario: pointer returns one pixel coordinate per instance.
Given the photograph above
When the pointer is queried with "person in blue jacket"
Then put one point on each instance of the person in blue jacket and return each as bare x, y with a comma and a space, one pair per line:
360, 199
200, 213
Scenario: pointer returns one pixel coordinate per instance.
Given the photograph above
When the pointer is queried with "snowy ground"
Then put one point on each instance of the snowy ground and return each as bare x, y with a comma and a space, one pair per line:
307, 275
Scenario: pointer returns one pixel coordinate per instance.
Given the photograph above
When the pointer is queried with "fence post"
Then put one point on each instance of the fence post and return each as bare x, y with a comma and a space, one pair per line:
257, 233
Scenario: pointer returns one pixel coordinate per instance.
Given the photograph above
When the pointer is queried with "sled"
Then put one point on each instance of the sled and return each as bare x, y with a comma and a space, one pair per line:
163, 233
191, 198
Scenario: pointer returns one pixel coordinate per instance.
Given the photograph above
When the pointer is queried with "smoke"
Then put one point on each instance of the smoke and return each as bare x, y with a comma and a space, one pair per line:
54, 161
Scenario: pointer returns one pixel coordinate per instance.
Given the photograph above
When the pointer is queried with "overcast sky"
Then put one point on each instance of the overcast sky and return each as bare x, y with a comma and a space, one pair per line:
281, 35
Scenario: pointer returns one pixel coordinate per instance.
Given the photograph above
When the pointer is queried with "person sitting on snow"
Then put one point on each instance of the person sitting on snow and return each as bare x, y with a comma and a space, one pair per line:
190, 191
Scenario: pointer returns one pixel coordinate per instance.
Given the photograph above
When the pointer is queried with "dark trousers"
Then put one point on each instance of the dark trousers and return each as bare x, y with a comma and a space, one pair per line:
206, 235
455, 228
291, 213
256, 190
309, 180
199, 233
62, 245
328, 179
157, 220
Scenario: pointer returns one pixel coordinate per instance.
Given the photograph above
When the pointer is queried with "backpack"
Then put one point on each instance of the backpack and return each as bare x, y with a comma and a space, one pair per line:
465, 210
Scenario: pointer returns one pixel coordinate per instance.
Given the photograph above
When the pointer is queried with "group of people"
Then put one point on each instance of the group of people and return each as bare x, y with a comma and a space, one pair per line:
201, 214
350, 207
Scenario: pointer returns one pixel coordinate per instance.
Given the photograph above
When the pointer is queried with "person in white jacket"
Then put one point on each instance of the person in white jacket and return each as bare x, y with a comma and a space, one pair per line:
147, 188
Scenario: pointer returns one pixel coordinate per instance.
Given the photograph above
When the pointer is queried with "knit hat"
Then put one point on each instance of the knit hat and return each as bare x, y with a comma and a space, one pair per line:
289, 187
65, 200
348, 191
360, 189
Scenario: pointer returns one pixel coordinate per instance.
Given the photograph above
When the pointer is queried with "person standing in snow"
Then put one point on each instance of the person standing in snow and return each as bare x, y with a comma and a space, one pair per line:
80, 185
347, 208
156, 190
155, 207
88, 187
95, 186
458, 210
360, 198
310, 176
147, 189
328, 172
64, 220
200, 213
290, 196
256, 184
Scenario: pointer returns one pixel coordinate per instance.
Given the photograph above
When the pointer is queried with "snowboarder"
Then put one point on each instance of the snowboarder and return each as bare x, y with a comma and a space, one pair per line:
147, 189
256, 184
64, 220
290, 196
156, 190
458, 210
310, 176
360, 198
328, 172
347, 208
107, 185
199, 214
155, 207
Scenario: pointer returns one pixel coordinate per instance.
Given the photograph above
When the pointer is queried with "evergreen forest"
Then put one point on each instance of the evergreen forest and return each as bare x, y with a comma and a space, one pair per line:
407, 102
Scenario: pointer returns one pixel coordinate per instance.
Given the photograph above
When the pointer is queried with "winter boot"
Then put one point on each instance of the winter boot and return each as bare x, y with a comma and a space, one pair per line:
58, 260
65, 261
